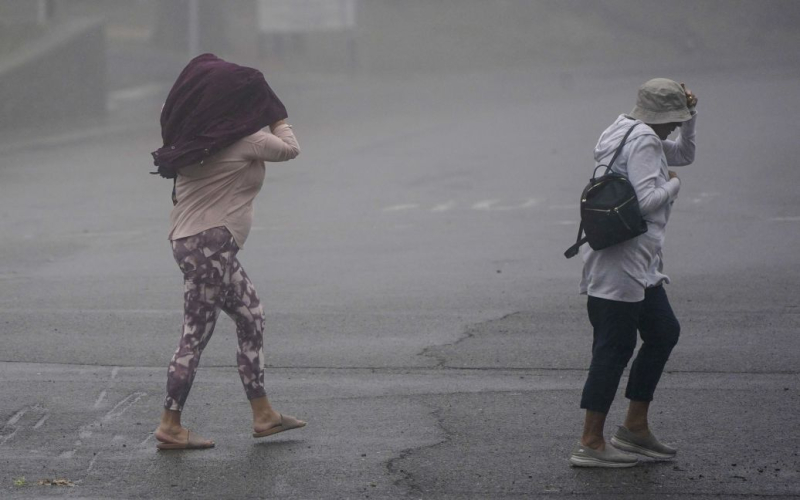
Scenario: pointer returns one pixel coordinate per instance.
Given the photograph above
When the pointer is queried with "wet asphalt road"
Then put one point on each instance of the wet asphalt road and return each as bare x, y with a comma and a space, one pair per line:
420, 314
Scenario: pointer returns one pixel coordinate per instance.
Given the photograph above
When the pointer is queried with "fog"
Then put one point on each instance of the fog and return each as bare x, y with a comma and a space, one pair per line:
419, 310
339, 42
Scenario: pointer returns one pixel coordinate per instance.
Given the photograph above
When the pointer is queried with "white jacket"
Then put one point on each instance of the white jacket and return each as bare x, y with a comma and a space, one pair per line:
623, 271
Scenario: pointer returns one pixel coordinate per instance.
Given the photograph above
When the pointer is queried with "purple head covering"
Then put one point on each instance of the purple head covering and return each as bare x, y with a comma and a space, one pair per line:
212, 104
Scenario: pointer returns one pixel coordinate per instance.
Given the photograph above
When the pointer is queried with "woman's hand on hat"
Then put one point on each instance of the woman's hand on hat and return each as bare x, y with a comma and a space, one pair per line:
691, 99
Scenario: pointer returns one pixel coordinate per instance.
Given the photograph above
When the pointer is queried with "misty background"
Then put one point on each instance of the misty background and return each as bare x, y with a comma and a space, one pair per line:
91, 50
410, 259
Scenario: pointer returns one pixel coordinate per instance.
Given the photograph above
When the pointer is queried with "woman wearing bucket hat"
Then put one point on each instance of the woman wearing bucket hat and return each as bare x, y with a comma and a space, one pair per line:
624, 283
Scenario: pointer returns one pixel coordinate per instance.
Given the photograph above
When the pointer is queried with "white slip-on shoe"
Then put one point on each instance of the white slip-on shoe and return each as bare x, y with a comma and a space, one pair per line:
648, 446
583, 456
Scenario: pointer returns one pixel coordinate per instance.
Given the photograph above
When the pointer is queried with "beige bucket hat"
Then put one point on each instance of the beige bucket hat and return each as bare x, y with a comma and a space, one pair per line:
661, 100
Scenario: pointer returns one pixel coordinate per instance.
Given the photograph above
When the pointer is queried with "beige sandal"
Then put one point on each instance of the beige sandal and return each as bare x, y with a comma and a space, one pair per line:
280, 427
192, 443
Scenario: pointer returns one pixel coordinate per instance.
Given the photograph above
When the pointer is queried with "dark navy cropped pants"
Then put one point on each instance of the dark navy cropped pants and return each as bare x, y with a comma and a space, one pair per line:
615, 331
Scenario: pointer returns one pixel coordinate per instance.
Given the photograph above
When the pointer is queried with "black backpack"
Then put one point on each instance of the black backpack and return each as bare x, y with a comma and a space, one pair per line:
610, 212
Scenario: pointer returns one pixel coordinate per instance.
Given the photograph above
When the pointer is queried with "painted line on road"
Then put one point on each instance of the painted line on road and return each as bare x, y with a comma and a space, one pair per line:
8, 437
794, 218
117, 98
444, 207
277, 369
99, 399
87, 431
91, 463
146, 440
485, 204
21, 310
703, 196
493, 205
41, 421
129, 232
72, 137
15, 418
136, 93
120, 408
530, 202
398, 208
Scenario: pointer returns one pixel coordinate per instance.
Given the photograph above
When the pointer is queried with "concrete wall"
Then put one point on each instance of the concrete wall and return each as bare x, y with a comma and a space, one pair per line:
57, 77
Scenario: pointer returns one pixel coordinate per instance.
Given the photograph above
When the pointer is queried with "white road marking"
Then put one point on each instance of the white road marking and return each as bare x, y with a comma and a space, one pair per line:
20, 310
444, 207
493, 205
704, 196
15, 418
117, 97
100, 399
41, 421
136, 93
6, 438
530, 202
70, 137
398, 208
146, 440
91, 463
795, 218
485, 204
123, 406
114, 372
131, 232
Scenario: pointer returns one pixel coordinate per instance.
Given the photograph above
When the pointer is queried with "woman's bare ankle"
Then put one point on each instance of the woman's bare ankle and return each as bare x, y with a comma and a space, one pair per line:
263, 413
269, 416
170, 424
170, 430
636, 419
638, 428
594, 442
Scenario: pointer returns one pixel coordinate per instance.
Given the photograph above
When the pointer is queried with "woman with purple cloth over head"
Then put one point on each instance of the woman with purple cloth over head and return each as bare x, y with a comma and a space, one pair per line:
215, 145
625, 282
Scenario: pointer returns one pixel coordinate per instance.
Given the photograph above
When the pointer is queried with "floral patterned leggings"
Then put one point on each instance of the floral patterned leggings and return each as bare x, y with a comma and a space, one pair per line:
213, 281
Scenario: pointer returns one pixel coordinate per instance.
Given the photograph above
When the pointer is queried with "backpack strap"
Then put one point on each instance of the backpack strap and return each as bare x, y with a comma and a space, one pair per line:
616, 153
573, 250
